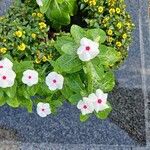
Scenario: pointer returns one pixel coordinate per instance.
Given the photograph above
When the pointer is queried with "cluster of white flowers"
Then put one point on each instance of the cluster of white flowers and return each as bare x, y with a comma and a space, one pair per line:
7, 75
95, 101
88, 49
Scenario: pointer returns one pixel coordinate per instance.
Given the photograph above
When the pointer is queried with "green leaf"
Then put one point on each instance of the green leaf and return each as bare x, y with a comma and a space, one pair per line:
97, 35
78, 33
27, 103
74, 82
2, 98
61, 41
67, 92
13, 102
104, 114
46, 5
84, 118
74, 99
68, 64
109, 56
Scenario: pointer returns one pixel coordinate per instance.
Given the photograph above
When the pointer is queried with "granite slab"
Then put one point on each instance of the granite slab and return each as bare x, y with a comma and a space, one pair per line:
126, 128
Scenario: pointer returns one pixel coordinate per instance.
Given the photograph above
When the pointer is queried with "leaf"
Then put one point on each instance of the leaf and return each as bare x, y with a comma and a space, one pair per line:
66, 92
104, 114
61, 41
46, 5
74, 99
97, 35
74, 82
84, 118
2, 98
68, 64
13, 102
109, 56
27, 103
78, 33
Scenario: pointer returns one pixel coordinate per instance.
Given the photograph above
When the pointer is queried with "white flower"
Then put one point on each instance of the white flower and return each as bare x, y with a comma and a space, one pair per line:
7, 78
85, 106
54, 81
43, 109
99, 100
30, 77
88, 49
6, 64
39, 2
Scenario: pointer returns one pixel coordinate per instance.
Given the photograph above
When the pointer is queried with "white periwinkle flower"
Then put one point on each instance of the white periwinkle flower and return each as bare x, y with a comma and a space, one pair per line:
6, 64
99, 100
7, 78
43, 109
88, 49
39, 2
54, 81
85, 106
30, 77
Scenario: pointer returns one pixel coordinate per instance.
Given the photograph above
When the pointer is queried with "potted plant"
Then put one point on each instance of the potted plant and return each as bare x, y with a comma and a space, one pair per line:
54, 51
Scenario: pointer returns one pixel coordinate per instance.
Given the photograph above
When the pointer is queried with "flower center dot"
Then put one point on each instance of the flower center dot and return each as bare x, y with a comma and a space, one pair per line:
1, 66
87, 48
43, 109
29, 77
85, 107
99, 101
4, 77
54, 81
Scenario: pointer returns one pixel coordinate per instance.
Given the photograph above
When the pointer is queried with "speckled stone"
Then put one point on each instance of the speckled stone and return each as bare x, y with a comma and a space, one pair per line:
127, 127
4, 5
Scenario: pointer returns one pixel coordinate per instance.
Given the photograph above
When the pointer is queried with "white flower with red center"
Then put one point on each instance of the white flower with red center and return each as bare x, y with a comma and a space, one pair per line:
7, 78
85, 106
6, 64
99, 100
88, 49
30, 77
43, 109
54, 81
39, 2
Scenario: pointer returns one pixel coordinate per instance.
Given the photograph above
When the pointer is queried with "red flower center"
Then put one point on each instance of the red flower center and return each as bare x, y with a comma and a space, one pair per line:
54, 81
85, 107
87, 48
99, 101
43, 109
29, 77
4, 77
1, 66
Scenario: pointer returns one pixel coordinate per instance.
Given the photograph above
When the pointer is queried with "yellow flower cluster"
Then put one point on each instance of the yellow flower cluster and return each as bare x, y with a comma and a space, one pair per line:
3, 50
42, 25
90, 2
40, 15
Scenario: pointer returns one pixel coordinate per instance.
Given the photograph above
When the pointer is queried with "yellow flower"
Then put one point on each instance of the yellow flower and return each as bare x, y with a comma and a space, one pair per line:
118, 44
119, 25
44, 58
33, 35
111, 10
22, 47
18, 33
90, 2
109, 32
39, 15
4, 40
33, 14
100, 9
37, 61
42, 25
3, 50
118, 10
50, 56
110, 39
124, 36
